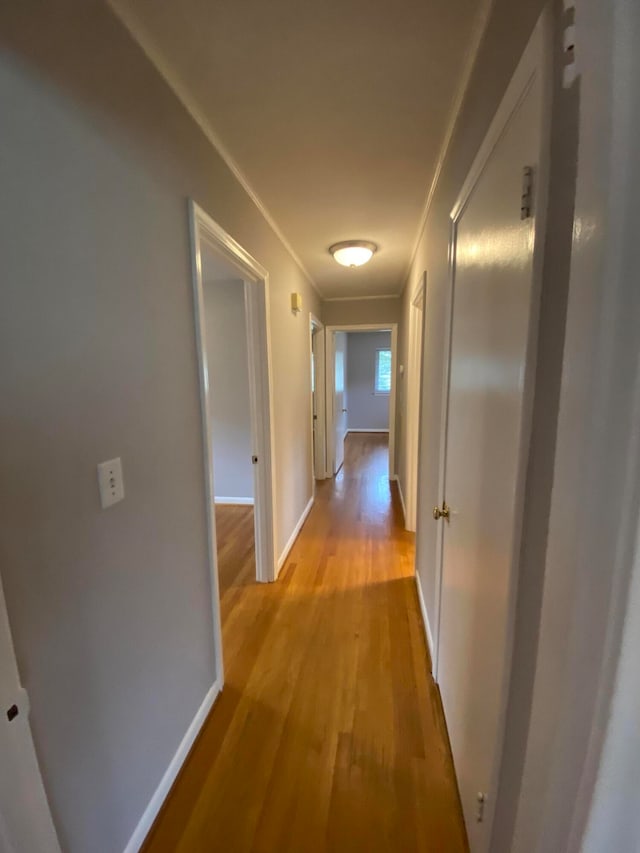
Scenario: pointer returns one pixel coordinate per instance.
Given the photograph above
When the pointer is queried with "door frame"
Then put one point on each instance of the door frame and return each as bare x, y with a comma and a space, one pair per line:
204, 230
318, 460
37, 813
414, 395
536, 61
330, 387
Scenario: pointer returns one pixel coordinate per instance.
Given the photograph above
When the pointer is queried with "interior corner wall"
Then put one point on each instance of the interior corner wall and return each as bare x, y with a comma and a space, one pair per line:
366, 409
110, 610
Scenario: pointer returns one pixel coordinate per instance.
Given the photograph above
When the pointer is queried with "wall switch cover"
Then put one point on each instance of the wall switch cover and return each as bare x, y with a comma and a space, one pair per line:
110, 482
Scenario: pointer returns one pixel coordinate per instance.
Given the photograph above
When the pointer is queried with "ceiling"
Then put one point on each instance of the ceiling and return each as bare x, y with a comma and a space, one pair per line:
334, 112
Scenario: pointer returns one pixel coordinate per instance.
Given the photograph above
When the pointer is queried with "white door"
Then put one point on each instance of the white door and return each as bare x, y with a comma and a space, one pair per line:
339, 398
25, 820
490, 373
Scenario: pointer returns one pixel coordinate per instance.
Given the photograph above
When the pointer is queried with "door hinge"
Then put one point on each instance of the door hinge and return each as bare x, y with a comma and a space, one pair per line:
480, 804
527, 192
570, 69
254, 460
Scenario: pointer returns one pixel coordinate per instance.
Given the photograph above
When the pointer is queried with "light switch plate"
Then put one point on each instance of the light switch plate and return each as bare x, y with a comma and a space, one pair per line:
110, 482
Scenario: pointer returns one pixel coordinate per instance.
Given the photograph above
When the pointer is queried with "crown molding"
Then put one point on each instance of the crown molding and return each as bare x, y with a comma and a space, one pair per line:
472, 55
179, 90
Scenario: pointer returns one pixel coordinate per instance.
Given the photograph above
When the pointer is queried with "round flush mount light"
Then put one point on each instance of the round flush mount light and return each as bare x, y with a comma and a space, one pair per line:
353, 253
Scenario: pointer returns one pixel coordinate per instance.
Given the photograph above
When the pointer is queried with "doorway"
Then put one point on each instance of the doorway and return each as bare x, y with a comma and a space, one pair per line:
361, 367
230, 299
496, 261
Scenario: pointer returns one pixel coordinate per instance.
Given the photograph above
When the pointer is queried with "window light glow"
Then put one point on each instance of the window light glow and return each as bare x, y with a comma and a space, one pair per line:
353, 253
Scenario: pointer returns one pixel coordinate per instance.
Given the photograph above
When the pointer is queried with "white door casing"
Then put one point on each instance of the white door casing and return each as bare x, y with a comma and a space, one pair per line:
319, 462
496, 266
413, 385
339, 397
25, 818
329, 341
203, 229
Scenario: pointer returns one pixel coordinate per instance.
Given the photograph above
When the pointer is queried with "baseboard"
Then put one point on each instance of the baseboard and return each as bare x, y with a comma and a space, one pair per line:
425, 619
404, 509
234, 501
294, 535
366, 430
155, 803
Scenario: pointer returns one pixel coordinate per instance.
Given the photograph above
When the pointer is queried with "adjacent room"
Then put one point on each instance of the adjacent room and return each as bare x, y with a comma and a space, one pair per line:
368, 381
227, 364
362, 388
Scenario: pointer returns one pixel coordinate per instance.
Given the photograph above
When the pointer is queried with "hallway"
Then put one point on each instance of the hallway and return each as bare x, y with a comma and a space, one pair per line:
328, 735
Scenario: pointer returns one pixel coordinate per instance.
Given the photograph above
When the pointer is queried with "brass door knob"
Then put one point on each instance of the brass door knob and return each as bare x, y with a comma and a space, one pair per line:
436, 512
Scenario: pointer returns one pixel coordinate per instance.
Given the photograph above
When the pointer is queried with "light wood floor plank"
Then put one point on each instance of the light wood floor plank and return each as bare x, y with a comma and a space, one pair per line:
329, 735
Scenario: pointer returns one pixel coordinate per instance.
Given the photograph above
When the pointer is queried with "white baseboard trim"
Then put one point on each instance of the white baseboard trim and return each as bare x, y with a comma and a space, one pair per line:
366, 430
234, 501
425, 619
155, 803
404, 509
294, 535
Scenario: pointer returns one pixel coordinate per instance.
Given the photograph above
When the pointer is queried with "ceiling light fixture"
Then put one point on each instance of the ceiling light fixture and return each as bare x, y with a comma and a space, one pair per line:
353, 253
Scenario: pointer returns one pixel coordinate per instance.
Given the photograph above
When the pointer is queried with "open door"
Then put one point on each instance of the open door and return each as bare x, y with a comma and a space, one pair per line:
340, 398
25, 819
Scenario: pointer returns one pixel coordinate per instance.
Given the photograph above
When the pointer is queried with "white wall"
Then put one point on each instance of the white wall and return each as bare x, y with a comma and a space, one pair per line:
111, 610
348, 312
366, 410
580, 778
228, 368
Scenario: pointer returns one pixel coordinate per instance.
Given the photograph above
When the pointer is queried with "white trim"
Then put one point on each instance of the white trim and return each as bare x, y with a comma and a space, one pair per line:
223, 501
294, 535
354, 429
425, 618
456, 107
180, 91
413, 385
404, 508
160, 794
319, 465
360, 298
29, 822
330, 382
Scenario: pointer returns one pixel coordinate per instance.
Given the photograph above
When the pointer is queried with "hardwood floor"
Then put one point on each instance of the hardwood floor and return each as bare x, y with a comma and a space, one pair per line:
329, 734
236, 555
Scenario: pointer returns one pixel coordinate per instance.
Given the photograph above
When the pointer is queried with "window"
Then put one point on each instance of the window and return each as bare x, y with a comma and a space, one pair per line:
383, 371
